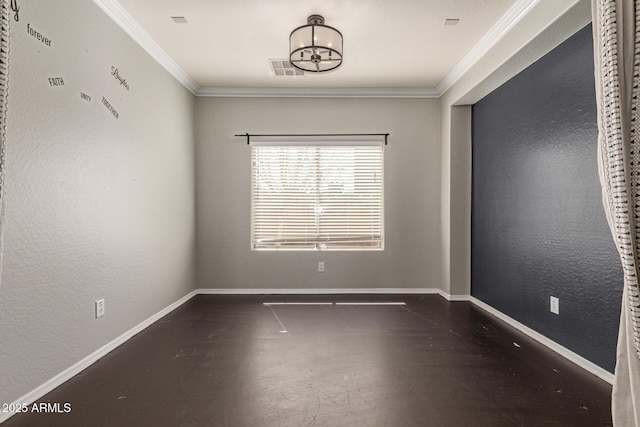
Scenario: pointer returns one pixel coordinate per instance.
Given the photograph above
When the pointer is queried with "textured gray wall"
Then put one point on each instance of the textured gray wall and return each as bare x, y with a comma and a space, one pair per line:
96, 207
411, 258
538, 225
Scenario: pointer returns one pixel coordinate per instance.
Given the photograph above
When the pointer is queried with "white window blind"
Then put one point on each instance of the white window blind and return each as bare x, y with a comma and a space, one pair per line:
317, 195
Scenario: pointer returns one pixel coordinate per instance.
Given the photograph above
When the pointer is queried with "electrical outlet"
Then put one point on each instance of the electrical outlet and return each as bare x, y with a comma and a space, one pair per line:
554, 305
99, 308
321, 267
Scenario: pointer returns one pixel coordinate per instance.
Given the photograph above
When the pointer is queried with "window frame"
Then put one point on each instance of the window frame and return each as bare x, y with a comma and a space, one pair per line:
319, 141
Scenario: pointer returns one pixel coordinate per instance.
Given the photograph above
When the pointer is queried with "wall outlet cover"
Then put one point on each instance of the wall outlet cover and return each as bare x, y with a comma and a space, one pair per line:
99, 308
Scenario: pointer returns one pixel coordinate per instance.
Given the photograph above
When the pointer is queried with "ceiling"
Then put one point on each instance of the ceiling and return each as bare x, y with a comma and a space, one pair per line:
388, 44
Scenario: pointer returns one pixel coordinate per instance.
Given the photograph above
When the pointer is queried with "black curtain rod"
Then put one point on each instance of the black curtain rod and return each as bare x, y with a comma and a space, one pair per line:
248, 136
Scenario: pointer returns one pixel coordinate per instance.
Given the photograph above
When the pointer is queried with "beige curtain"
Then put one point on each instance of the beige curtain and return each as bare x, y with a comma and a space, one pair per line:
617, 75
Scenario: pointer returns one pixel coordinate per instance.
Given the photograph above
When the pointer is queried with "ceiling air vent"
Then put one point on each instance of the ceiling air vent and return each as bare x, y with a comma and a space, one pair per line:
283, 68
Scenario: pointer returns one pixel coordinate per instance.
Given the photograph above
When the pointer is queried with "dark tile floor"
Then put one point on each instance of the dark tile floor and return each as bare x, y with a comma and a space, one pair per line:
232, 361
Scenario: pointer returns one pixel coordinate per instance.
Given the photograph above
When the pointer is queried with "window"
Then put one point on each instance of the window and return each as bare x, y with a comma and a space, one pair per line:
316, 193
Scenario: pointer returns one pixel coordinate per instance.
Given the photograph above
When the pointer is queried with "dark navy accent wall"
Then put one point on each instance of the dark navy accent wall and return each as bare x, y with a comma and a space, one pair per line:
538, 225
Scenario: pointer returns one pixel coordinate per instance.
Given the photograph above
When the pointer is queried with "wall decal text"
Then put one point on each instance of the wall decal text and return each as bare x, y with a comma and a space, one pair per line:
32, 32
56, 81
85, 97
15, 8
110, 108
116, 74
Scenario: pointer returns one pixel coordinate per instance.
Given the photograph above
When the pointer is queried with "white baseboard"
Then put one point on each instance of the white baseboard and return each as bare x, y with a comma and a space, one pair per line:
323, 291
75, 369
453, 298
83, 364
69, 373
562, 351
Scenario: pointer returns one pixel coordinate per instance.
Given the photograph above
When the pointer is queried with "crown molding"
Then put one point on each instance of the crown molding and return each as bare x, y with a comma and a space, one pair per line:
119, 15
289, 92
499, 30
116, 12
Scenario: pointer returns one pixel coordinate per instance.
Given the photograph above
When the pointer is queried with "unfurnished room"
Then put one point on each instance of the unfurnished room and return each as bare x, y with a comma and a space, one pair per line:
319, 213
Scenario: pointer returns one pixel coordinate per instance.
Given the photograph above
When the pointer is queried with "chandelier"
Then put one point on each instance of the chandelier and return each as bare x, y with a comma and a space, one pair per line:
315, 47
